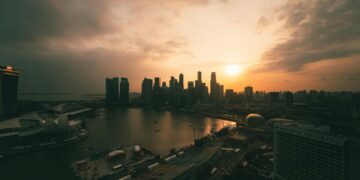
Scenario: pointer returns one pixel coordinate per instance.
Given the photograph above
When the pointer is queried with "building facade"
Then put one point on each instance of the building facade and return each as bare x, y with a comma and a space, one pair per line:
112, 91
147, 91
8, 91
307, 152
124, 91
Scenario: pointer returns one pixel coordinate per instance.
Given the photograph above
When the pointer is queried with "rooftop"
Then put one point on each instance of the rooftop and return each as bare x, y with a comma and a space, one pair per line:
8, 69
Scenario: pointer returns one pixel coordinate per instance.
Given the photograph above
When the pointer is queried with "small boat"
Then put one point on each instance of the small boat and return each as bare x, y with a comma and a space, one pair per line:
157, 130
155, 121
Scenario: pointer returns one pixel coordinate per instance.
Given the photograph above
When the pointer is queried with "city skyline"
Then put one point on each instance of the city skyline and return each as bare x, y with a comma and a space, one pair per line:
180, 89
269, 45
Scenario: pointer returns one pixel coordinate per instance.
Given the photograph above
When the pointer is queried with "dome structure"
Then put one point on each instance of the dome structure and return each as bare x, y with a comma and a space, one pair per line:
254, 120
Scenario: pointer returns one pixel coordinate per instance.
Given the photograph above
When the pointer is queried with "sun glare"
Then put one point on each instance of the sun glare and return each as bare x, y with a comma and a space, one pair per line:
233, 69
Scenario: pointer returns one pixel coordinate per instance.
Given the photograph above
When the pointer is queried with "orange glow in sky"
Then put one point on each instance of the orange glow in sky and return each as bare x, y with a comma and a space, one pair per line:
271, 45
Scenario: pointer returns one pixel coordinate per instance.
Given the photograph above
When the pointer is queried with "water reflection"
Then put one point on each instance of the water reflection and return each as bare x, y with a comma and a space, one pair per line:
160, 131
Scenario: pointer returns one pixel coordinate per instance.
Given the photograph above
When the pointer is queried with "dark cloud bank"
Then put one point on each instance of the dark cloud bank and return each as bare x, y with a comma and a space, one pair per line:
318, 31
44, 39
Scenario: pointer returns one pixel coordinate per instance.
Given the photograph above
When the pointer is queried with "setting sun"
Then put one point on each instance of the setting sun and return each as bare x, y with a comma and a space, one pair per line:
233, 69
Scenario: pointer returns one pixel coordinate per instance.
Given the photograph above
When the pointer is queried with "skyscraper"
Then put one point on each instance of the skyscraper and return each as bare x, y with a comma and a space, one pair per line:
190, 94
203, 96
124, 92
181, 82
147, 91
197, 90
199, 76
213, 88
230, 95
248, 92
220, 93
8, 90
173, 92
157, 92
112, 91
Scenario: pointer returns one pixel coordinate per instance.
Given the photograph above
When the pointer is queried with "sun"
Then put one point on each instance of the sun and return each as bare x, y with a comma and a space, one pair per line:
233, 69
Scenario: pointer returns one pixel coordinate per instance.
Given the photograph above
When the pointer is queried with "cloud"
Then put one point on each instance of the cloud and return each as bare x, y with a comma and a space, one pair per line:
262, 23
317, 31
65, 45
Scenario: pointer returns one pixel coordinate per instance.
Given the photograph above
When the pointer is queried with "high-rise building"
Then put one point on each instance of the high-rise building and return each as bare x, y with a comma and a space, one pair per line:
219, 93
112, 91
124, 91
199, 76
174, 92
191, 85
309, 152
157, 92
190, 94
8, 91
230, 96
203, 93
181, 82
213, 88
147, 91
164, 93
248, 93
197, 91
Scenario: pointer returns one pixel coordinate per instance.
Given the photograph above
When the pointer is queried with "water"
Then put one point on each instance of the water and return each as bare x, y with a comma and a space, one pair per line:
112, 128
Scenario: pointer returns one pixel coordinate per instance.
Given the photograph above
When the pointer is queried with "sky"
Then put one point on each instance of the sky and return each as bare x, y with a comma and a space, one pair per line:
73, 45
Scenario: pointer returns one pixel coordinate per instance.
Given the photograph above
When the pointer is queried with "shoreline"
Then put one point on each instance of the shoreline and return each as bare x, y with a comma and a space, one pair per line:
44, 145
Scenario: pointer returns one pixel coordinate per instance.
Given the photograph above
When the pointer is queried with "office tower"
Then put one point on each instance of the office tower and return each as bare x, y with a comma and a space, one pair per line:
308, 152
147, 91
124, 91
190, 94
164, 93
213, 88
288, 98
199, 76
112, 91
248, 93
203, 96
173, 92
219, 93
157, 92
230, 96
181, 82
197, 92
8, 91
191, 85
